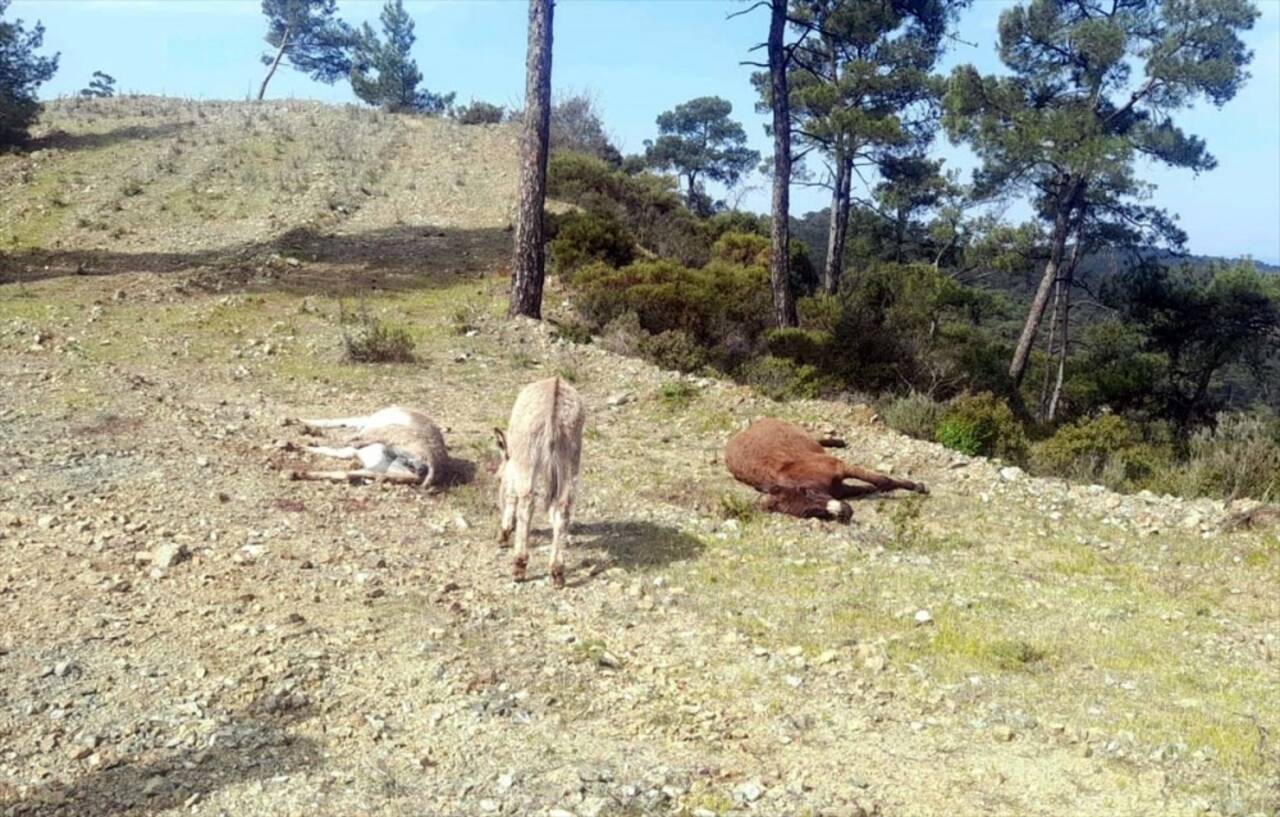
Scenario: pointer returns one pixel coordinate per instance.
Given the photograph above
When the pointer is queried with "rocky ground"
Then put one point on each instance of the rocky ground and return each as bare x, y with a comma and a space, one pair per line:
186, 631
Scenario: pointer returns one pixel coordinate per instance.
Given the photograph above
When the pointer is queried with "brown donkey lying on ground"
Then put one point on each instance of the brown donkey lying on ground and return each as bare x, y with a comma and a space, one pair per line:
797, 476
540, 453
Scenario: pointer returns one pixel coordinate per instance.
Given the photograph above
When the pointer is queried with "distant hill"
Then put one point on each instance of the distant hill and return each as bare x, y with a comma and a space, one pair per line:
164, 175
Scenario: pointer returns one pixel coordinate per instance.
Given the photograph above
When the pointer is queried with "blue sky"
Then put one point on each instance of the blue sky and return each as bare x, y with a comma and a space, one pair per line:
639, 58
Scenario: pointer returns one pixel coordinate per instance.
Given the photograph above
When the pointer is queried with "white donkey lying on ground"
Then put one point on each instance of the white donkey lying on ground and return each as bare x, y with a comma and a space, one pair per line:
393, 444
540, 453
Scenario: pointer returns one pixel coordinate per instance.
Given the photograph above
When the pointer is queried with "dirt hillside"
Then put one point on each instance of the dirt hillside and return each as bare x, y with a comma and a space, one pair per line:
185, 631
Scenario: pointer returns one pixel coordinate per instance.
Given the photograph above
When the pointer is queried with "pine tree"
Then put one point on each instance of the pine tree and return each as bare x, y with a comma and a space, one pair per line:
528, 268
697, 139
310, 37
1067, 125
384, 72
861, 90
101, 85
21, 71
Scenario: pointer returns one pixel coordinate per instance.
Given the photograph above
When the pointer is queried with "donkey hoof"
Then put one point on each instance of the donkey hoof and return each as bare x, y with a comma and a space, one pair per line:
519, 566
557, 575
841, 511
504, 539
921, 488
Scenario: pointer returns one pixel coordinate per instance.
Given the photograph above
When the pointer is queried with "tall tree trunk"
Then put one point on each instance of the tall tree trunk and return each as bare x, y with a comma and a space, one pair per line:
1042, 408
1062, 352
1061, 231
528, 267
784, 305
271, 72
840, 192
1065, 284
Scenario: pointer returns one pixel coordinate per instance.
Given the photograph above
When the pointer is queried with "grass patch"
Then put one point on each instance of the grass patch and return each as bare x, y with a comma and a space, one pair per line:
676, 395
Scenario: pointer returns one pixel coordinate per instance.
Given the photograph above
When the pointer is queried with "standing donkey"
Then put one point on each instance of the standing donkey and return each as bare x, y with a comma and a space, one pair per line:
540, 454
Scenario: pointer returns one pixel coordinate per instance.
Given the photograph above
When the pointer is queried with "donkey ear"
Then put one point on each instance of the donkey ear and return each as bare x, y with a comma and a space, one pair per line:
502, 440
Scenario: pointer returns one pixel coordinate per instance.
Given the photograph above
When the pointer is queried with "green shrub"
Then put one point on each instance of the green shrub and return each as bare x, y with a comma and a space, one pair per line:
959, 436
982, 425
479, 113
706, 303
673, 349
743, 249
811, 346
915, 415
780, 379
581, 238
676, 395
1239, 457
648, 205
570, 332
375, 341
1106, 449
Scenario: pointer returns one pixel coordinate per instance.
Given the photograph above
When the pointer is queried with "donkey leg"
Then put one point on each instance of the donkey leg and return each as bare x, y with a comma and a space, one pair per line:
524, 517
508, 518
341, 422
561, 512
344, 453
882, 482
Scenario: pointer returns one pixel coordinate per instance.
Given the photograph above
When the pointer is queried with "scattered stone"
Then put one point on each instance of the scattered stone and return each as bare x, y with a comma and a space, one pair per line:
1011, 473
750, 791
169, 554
619, 399
923, 617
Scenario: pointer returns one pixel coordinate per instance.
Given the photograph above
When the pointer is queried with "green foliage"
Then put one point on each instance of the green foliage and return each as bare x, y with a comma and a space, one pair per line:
1086, 92
781, 379
958, 436
1200, 323
915, 414
1106, 449
22, 71
982, 425
646, 204
570, 332
704, 303
315, 41
383, 71
582, 238
369, 340
479, 113
676, 395
698, 139
576, 126
1238, 457
744, 249
739, 508
674, 350
101, 86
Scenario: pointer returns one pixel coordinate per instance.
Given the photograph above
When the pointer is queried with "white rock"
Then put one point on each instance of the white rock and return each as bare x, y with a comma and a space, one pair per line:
1011, 473
924, 617
169, 554
750, 791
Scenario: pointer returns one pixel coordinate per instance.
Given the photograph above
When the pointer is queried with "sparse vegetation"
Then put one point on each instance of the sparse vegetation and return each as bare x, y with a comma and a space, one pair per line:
367, 339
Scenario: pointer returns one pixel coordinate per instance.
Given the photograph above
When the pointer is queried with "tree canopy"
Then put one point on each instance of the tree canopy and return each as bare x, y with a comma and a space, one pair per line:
384, 72
1094, 85
698, 140
22, 70
308, 35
